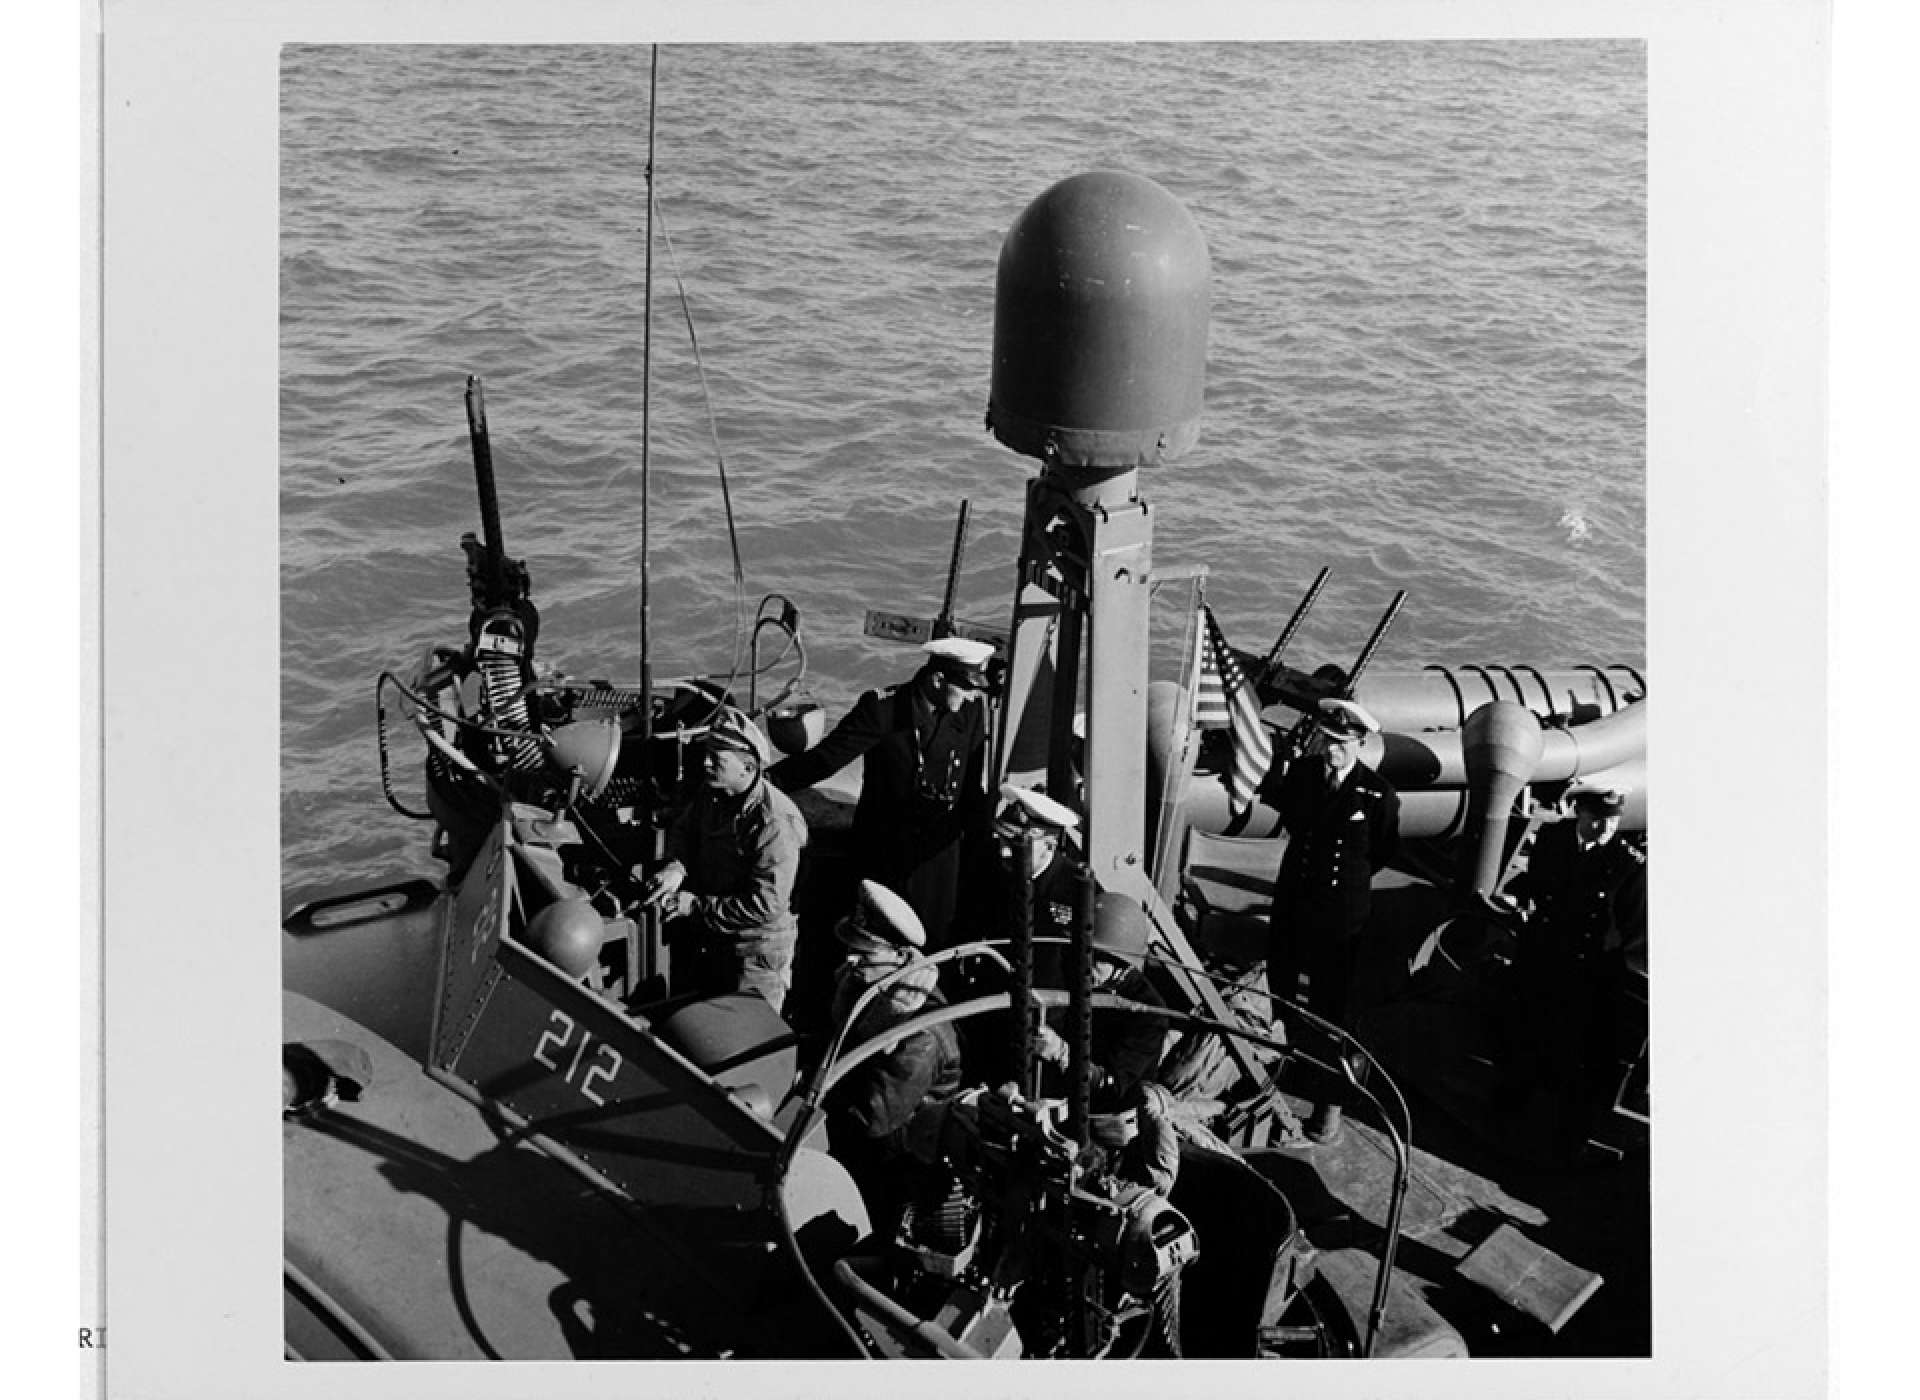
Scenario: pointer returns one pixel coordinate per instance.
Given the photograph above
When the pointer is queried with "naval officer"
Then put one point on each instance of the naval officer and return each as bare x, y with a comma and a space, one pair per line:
1583, 896
1032, 843
1035, 832
1342, 821
923, 746
1584, 887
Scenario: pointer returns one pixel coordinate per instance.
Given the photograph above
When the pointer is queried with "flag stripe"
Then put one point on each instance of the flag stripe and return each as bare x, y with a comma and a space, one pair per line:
1224, 699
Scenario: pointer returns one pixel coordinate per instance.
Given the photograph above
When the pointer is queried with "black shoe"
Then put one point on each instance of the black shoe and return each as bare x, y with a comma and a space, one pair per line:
1324, 1127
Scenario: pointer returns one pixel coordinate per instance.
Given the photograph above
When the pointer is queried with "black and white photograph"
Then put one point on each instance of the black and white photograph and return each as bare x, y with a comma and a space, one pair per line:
989, 392
970, 696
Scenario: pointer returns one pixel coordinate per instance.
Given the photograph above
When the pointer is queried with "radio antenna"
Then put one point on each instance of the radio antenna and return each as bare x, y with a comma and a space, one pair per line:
646, 423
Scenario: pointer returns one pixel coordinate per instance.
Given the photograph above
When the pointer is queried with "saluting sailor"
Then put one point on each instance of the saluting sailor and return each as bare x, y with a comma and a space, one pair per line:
1342, 821
923, 747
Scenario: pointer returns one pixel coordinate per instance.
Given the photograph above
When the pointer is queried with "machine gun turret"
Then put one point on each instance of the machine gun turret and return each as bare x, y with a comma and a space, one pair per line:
504, 623
497, 582
1019, 1245
1304, 692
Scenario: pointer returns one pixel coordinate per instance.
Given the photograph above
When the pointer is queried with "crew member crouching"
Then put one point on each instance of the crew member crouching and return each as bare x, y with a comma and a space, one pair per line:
1126, 1045
869, 1110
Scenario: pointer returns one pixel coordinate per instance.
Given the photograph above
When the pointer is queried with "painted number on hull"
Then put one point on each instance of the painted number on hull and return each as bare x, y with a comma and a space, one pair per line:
600, 1060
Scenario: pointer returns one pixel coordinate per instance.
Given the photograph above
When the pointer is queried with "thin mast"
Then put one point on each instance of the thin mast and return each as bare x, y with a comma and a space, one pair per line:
646, 424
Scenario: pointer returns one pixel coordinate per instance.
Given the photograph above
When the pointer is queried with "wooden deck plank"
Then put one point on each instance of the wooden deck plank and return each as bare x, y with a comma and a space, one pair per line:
1529, 1277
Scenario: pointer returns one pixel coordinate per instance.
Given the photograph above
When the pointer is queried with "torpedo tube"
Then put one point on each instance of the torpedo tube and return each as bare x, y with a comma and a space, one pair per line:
1502, 744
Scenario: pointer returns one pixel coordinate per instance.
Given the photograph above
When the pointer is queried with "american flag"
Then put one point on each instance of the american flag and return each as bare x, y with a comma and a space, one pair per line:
1223, 698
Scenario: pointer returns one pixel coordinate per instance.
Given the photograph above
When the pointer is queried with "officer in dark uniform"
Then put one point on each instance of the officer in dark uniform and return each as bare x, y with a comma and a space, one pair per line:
1036, 826
1583, 901
1034, 834
922, 785
1342, 821
869, 1111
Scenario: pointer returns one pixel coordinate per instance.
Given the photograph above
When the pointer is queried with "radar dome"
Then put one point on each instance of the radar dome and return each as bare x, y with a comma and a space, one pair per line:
1100, 325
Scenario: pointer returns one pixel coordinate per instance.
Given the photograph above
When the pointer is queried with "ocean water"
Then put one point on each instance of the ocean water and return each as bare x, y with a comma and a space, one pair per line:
1426, 365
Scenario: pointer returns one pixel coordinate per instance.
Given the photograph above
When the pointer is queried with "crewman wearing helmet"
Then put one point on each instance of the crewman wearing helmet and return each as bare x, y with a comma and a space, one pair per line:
732, 856
869, 1111
1126, 1046
1342, 821
923, 748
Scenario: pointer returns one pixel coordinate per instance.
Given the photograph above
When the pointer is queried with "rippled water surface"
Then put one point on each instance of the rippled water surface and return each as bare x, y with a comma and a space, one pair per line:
1426, 364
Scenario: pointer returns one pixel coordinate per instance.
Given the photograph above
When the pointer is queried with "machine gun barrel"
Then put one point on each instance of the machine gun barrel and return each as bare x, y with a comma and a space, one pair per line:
1025, 1014
490, 533
1296, 739
1080, 1008
943, 624
1293, 623
495, 581
1373, 642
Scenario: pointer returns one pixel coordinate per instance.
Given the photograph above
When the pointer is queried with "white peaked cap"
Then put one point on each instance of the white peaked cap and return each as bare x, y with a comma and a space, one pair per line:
881, 916
1346, 719
961, 650
1037, 809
